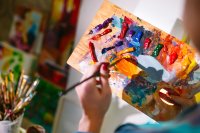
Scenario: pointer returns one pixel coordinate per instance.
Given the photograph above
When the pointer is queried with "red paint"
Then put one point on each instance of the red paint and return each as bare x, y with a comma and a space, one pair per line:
128, 20
167, 41
171, 92
124, 30
98, 36
165, 49
165, 97
168, 95
92, 52
106, 32
173, 57
147, 43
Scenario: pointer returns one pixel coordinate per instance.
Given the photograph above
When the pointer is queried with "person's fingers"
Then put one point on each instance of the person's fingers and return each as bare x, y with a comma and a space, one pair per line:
195, 88
104, 71
92, 70
182, 101
190, 90
89, 86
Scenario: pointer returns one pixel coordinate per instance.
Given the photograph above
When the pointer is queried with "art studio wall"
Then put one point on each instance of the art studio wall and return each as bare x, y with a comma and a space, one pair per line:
42, 30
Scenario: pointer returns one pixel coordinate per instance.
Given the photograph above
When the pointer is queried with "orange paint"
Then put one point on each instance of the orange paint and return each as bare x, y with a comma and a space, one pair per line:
128, 68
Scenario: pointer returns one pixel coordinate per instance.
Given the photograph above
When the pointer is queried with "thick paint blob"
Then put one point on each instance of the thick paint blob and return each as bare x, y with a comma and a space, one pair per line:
128, 68
101, 26
138, 89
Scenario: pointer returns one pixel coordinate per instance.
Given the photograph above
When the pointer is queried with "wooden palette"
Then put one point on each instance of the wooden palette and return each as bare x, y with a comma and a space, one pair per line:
132, 81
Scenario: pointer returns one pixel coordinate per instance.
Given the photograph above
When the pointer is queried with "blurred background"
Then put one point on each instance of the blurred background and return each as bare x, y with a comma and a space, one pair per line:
38, 37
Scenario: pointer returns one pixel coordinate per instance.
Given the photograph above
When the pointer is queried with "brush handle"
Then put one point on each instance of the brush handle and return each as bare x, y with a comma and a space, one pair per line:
79, 83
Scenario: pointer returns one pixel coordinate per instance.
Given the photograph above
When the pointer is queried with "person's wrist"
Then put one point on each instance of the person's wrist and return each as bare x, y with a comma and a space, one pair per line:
90, 124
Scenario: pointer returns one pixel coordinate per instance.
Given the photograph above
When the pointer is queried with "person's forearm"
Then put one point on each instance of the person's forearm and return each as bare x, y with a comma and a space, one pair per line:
90, 125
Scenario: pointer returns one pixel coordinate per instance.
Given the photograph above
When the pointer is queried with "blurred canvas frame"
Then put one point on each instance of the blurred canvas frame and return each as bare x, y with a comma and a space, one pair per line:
27, 29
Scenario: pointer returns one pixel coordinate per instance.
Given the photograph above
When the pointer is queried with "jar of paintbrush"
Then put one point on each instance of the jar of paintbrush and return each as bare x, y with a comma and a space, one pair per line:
14, 97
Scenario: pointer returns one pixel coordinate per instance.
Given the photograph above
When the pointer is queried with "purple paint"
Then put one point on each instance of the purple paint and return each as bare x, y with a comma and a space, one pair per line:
101, 26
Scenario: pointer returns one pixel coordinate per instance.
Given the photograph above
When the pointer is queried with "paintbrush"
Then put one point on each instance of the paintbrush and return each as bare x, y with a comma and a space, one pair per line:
14, 100
96, 74
32, 88
19, 83
12, 93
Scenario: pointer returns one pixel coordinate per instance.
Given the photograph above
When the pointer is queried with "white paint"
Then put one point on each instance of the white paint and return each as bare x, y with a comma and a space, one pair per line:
156, 72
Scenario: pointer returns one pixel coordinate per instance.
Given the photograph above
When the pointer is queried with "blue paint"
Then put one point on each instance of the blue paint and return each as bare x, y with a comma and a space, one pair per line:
117, 44
138, 89
137, 47
138, 36
138, 39
113, 56
134, 37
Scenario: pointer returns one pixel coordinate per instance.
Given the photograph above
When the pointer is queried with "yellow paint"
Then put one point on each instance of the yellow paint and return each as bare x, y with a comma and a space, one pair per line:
197, 97
184, 51
125, 56
191, 66
128, 50
187, 66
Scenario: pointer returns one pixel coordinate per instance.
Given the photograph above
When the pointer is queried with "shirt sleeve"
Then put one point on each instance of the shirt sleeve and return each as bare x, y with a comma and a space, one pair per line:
188, 121
175, 128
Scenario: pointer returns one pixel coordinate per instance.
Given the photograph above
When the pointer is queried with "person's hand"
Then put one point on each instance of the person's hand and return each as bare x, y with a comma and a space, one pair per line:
95, 98
183, 101
187, 95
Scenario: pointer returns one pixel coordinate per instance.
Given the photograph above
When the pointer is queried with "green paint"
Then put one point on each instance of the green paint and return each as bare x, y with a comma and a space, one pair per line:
157, 50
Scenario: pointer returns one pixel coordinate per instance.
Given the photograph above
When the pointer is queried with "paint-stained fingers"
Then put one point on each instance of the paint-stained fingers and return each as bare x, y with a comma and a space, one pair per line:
184, 102
104, 71
98, 82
